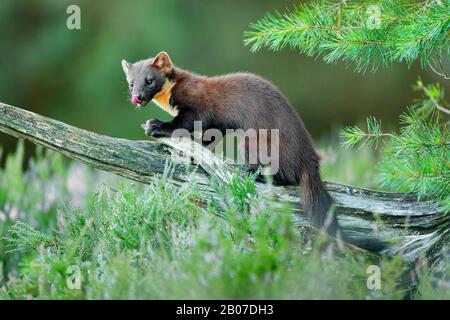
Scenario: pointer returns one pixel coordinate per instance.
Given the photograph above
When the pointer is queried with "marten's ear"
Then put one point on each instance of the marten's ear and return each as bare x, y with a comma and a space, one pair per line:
126, 66
162, 62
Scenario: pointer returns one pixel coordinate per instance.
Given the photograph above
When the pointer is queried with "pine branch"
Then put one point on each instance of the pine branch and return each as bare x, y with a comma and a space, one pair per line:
357, 32
440, 73
432, 97
417, 159
354, 135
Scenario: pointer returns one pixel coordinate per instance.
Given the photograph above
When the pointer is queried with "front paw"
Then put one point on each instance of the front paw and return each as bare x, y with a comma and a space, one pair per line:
155, 128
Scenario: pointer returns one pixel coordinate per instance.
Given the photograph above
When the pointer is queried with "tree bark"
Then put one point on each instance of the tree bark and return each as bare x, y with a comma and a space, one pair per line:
411, 227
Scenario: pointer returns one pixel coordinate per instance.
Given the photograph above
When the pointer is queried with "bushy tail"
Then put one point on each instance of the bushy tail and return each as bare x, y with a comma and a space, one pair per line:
317, 203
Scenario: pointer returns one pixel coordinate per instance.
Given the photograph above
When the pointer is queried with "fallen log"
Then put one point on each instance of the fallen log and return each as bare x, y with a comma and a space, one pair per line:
411, 228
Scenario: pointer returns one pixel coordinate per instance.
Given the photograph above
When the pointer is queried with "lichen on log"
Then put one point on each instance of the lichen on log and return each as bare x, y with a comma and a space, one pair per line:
411, 227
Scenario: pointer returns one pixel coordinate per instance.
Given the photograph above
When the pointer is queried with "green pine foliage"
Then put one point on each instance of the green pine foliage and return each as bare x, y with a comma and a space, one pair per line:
417, 158
374, 35
129, 241
366, 34
354, 135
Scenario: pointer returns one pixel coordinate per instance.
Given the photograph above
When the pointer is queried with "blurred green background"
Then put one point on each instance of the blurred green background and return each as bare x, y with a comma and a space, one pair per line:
75, 76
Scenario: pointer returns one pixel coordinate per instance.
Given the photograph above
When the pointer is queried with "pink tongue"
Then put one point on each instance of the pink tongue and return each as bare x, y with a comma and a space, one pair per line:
135, 100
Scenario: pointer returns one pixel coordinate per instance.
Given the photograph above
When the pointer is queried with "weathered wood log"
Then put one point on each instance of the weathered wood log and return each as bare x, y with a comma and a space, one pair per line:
411, 228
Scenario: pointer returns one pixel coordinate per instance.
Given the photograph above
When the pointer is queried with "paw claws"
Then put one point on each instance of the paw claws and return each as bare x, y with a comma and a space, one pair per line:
153, 128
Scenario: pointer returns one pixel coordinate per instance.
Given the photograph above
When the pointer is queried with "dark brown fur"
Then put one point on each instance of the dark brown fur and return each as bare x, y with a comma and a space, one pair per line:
246, 101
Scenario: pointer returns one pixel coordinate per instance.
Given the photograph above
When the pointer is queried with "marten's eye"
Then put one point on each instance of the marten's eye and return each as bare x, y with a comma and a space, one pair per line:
148, 81
131, 84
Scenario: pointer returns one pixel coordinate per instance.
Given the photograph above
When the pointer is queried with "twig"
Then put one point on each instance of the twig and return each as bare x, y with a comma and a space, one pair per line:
442, 73
432, 99
399, 217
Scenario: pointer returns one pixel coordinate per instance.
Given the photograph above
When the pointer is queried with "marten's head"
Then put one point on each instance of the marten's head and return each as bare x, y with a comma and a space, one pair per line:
147, 78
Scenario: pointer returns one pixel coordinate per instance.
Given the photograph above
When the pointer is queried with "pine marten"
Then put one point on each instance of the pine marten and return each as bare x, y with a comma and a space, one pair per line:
234, 101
